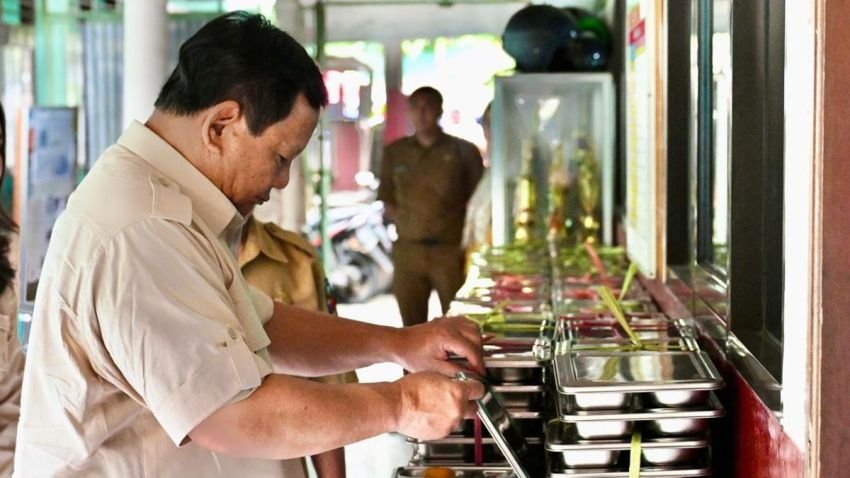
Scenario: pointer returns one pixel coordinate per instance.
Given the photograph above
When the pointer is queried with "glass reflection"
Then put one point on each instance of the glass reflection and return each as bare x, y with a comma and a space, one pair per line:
721, 68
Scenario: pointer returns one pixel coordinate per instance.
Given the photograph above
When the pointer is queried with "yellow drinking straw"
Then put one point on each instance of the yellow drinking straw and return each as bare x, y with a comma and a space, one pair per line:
634, 456
614, 306
627, 283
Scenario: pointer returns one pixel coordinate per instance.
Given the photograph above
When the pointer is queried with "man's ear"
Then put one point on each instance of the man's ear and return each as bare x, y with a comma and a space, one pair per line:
217, 120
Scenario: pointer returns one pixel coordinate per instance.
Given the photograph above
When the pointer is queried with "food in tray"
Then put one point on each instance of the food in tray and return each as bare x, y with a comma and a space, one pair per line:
583, 292
591, 307
438, 472
458, 471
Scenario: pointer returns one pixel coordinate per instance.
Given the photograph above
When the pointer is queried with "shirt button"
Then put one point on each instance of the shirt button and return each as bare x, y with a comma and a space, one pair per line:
232, 333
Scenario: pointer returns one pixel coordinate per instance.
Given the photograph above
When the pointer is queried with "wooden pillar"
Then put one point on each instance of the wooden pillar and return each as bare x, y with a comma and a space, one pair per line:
832, 331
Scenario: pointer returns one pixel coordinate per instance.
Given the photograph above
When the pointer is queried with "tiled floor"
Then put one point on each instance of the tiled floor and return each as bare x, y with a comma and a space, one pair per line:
379, 456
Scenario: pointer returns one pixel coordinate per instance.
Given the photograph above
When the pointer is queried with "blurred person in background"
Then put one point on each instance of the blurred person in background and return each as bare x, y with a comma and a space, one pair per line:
286, 266
478, 228
11, 357
426, 182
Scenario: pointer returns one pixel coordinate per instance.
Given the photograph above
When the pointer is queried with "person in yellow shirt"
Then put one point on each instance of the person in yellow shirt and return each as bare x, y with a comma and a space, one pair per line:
286, 266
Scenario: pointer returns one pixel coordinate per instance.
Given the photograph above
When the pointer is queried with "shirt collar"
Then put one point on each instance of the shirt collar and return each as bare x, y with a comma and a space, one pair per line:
441, 136
211, 205
259, 241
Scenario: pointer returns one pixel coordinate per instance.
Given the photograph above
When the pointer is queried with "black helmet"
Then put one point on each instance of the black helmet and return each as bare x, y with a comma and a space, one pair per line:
534, 34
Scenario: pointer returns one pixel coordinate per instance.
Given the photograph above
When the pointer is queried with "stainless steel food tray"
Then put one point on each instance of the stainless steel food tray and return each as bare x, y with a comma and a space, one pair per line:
530, 424
579, 372
567, 306
460, 471
596, 424
520, 397
563, 441
645, 472
453, 450
459, 440
579, 330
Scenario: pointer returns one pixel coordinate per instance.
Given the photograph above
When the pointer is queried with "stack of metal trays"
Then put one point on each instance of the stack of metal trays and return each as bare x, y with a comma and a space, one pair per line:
457, 471
456, 450
607, 380
607, 395
568, 450
565, 307
511, 259
655, 332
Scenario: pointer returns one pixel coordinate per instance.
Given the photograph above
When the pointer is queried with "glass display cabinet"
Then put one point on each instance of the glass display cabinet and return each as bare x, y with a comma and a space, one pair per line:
553, 157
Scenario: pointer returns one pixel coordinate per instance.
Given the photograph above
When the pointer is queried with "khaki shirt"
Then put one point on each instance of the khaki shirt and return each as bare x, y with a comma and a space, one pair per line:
429, 187
11, 373
143, 325
286, 266
283, 265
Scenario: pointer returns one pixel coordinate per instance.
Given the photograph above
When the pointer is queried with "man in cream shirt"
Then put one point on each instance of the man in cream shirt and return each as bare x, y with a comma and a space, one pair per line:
149, 354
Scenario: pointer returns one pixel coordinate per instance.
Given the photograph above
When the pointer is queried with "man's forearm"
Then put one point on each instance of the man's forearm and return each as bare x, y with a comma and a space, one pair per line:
309, 344
287, 417
330, 464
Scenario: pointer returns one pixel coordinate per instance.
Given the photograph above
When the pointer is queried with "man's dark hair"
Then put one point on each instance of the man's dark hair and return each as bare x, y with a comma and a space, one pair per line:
428, 92
244, 58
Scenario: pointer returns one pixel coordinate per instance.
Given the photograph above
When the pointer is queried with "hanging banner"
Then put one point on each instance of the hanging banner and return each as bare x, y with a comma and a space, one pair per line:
645, 172
49, 177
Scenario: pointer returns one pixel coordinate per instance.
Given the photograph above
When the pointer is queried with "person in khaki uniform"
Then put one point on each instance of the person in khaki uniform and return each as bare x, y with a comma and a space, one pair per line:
11, 357
285, 266
150, 355
426, 182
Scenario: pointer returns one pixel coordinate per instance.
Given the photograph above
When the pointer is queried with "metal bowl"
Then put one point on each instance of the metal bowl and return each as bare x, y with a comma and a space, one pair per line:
678, 398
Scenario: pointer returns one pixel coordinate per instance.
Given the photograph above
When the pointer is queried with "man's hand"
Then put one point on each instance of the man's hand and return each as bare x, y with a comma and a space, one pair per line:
428, 346
432, 405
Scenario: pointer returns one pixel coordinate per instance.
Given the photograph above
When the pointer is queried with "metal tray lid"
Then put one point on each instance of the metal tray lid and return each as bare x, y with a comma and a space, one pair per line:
561, 436
638, 371
567, 412
504, 431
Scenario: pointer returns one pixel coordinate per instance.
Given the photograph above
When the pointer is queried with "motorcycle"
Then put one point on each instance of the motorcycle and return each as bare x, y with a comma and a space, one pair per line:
361, 245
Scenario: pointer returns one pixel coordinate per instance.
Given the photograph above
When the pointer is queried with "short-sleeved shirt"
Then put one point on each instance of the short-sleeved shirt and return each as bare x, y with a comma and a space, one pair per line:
429, 187
285, 266
11, 373
143, 324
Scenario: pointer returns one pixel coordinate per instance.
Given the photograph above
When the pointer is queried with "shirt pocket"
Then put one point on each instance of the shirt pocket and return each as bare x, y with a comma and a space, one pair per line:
448, 181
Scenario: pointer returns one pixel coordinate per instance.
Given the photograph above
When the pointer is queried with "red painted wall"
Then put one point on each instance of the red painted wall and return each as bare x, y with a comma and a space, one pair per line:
396, 122
346, 143
749, 442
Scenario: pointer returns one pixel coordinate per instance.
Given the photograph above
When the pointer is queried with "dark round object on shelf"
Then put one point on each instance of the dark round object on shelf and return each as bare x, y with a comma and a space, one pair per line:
588, 22
589, 54
534, 34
